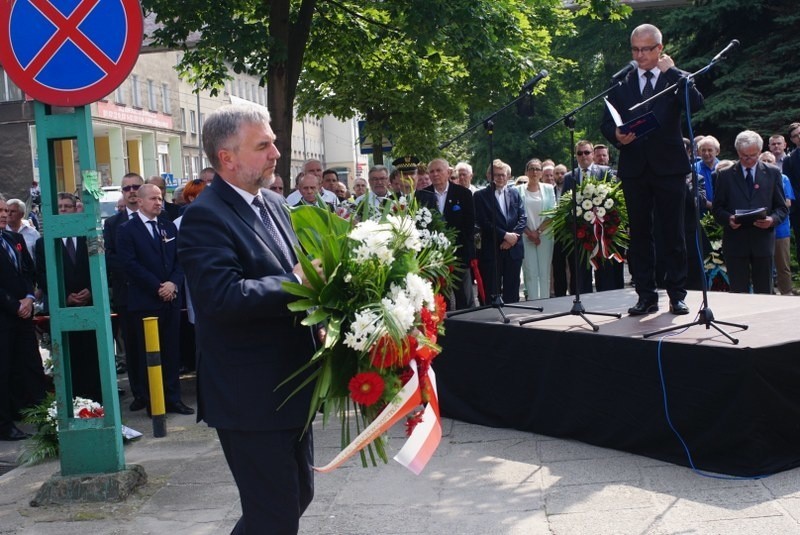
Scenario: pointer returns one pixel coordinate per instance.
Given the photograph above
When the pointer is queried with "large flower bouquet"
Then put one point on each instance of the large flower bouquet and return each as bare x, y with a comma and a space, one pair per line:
714, 263
380, 301
44, 443
602, 221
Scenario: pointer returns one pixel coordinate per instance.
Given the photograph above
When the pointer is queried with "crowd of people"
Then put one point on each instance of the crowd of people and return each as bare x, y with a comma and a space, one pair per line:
224, 246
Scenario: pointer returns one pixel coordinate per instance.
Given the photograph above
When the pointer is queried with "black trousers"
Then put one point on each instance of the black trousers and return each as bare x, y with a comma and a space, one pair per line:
744, 270
22, 381
272, 470
661, 197
510, 272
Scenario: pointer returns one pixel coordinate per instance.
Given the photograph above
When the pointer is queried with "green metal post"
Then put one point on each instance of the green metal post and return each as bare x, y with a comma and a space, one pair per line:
87, 446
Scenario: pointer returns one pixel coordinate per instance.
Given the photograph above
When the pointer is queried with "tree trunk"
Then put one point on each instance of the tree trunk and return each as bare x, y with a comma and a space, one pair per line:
286, 62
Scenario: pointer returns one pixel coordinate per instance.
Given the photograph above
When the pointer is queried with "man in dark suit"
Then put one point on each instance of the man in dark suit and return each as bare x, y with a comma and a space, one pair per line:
455, 204
147, 249
119, 288
236, 245
21, 374
500, 215
749, 247
791, 168
653, 168
584, 157
83, 354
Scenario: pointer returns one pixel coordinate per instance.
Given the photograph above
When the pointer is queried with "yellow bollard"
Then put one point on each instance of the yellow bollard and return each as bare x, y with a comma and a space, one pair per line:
154, 377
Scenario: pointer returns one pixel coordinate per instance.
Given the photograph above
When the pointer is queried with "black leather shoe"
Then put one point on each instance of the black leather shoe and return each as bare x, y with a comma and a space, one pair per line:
643, 306
179, 407
137, 405
678, 307
14, 433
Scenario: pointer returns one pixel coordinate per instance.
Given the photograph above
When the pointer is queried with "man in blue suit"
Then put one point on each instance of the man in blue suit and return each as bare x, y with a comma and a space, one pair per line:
500, 215
236, 246
652, 169
147, 249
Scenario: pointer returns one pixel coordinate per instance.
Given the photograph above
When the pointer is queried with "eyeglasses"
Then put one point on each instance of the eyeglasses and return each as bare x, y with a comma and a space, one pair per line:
583, 152
132, 187
531, 168
643, 50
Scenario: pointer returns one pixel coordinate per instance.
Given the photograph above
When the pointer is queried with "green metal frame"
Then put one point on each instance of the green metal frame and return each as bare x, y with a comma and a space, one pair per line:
87, 446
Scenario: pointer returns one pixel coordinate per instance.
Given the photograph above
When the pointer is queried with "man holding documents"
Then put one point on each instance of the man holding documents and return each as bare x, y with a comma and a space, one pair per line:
749, 204
652, 167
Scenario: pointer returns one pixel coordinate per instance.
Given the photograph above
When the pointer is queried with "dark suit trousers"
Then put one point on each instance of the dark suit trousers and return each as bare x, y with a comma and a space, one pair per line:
169, 321
131, 325
744, 269
559, 270
663, 197
273, 473
85, 365
794, 221
510, 271
22, 381
462, 290
583, 272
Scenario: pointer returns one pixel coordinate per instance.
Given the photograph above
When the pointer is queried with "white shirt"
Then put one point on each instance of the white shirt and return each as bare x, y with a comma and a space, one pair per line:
145, 220
500, 195
441, 197
295, 196
643, 79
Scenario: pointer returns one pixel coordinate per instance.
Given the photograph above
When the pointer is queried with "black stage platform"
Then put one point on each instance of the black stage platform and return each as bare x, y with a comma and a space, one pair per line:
736, 406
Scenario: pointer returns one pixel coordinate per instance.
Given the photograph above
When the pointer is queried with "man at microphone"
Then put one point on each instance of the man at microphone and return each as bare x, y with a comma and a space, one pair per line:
652, 168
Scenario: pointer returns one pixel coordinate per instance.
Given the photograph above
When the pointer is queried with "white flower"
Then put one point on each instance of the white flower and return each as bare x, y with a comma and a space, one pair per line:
609, 204
587, 204
588, 190
348, 277
420, 291
597, 201
423, 216
602, 190
384, 255
600, 211
399, 310
366, 323
589, 216
578, 211
716, 245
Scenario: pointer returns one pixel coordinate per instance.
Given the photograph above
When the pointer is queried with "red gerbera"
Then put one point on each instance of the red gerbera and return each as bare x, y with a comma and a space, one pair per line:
87, 413
366, 388
428, 321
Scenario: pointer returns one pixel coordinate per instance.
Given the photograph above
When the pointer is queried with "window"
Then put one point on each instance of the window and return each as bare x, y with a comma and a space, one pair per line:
136, 95
202, 122
187, 166
165, 99
119, 96
8, 91
151, 96
183, 119
192, 122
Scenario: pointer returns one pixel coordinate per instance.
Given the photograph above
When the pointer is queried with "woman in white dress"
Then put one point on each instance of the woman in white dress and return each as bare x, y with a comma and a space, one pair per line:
537, 197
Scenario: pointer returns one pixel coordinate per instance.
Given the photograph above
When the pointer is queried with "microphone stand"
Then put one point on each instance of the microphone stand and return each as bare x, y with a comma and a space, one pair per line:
496, 299
577, 307
705, 316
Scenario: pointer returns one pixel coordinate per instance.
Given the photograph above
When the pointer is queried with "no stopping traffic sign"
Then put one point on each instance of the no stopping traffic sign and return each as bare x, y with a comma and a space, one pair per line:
69, 52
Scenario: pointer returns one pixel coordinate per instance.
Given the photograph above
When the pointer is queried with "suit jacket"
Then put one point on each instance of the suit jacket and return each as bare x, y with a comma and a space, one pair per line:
487, 209
595, 171
248, 342
147, 264
662, 149
76, 274
170, 211
15, 284
732, 194
459, 214
791, 168
116, 271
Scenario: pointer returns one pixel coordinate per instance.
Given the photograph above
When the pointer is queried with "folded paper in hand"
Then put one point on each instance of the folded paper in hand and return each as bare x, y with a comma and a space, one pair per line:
748, 217
641, 125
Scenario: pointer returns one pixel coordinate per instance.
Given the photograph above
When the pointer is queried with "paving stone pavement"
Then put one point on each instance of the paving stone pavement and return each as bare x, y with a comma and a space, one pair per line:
481, 481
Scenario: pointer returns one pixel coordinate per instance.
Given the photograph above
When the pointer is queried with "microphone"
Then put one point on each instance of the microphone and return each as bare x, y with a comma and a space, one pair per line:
624, 71
533, 81
733, 44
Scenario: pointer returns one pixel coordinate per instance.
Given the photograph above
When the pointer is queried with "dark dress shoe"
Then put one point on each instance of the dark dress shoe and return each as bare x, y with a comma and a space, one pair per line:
678, 307
14, 433
179, 407
137, 405
642, 307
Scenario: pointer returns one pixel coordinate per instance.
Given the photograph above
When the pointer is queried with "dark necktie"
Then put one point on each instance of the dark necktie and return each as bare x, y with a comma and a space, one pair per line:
584, 175
648, 90
154, 229
272, 230
70, 245
10, 250
749, 179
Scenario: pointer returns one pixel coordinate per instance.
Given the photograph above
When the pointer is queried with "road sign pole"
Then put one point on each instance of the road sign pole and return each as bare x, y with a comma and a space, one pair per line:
87, 446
